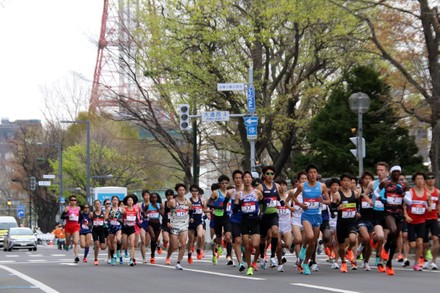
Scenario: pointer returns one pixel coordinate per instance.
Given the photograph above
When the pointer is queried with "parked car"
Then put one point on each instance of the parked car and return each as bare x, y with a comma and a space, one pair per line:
6, 222
20, 238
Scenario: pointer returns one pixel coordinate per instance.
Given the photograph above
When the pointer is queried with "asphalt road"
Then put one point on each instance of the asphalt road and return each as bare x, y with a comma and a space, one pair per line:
52, 270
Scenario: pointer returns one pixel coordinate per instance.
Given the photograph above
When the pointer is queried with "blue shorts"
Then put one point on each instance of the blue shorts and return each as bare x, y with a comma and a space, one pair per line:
367, 224
314, 220
112, 229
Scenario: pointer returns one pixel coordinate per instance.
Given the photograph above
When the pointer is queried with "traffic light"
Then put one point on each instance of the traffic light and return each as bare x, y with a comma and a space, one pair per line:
184, 117
33, 183
354, 140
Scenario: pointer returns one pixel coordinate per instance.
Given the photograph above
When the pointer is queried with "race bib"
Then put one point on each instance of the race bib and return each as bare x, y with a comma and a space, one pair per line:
153, 215
312, 203
131, 218
73, 218
434, 201
283, 210
181, 213
98, 222
114, 222
198, 210
248, 207
365, 204
418, 210
349, 210
394, 200
378, 204
84, 226
271, 202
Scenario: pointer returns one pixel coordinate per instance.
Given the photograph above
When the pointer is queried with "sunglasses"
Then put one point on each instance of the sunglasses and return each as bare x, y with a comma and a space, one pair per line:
269, 173
73, 200
193, 191
107, 204
87, 207
430, 177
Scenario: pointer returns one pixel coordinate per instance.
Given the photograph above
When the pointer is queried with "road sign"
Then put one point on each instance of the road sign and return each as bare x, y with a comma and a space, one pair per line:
251, 121
21, 211
251, 99
354, 140
49, 176
232, 86
251, 132
215, 116
44, 183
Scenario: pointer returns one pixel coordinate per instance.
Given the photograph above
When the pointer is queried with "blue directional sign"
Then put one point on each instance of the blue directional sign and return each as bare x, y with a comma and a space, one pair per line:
251, 132
20, 211
251, 121
251, 99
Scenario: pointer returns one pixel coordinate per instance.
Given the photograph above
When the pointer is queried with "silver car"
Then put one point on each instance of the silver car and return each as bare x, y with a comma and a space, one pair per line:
20, 238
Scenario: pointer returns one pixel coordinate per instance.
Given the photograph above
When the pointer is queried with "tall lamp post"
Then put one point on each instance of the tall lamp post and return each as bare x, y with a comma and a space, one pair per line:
359, 104
87, 123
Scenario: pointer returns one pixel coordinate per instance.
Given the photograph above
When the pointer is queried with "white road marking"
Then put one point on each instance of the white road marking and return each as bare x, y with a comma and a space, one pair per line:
34, 282
68, 264
58, 255
12, 255
7, 261
210, 273
323, 288
37, 260
36, 255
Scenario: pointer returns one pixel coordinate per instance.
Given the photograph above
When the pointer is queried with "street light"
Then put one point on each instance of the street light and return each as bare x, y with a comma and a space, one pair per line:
87, 123
9, 206
359, 103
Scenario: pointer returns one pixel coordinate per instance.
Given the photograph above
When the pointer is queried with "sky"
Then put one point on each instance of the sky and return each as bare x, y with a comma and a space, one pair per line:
42, 41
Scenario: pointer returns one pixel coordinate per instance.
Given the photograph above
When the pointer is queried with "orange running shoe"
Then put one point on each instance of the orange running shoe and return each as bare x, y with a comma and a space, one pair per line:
389, 270
96, 263
328, 252
152, 260
199, 256
190, 259
350, 255
373, 243
255, 266
400, 258
381, 268
421, 261
159, 250
343, 267
168, 261
384, 254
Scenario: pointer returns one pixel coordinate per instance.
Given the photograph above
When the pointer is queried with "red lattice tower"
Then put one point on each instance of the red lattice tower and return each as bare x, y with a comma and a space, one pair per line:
111, 79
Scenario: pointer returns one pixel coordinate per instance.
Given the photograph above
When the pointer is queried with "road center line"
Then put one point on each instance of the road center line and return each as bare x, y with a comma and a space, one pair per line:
210, 273
323, 288
34, 282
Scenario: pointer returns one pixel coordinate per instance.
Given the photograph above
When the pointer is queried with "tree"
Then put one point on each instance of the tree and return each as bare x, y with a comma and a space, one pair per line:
386, 138
407, 35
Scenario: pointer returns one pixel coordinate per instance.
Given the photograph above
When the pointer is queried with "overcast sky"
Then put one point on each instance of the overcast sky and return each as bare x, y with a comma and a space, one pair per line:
41, 42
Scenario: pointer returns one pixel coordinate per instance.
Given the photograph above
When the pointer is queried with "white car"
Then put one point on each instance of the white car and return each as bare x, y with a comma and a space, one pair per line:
20, 238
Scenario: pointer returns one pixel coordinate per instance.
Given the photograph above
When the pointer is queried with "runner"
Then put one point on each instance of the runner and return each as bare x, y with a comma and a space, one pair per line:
432, 225
71, 215
145, 236
417, 203
98, 229
178, 222
169, 194
236, 217
154, 213
130, 216
85, 232
113, 215
196, 228
393, 204
333, 255
248, 203
284, 210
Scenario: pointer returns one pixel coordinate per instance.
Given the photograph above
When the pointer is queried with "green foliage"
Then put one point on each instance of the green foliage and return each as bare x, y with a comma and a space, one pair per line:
330, 130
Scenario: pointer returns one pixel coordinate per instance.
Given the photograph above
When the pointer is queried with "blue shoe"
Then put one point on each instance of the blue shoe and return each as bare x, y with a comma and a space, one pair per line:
376, 263
118, 254
113, 261
121, 261
302, 253
306, 268
126, 255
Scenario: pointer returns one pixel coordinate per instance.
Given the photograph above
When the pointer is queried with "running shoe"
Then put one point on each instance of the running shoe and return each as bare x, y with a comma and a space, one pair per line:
113, 261
377, 261
302, 253
273, 262
381, 268
263, 264
366, 266
134, 261
118, 253
199, 256
421, 261
417, 268
152, 261
359, 252
434, 267
280, 268
406, 263
126, 254
343, 267
425, 265
354, 266
335, 266
384, 253
389, 270
400, 258
121, 261
350, 255
241, 267
190, 259
306, 268
66, 248
84, 259
96, 263
250, 271
283, 260
254, 266
315, 267
168, 261
179, 267
131, 264
214, 260
144, 261
159, 250
219, 250
109, 260
428, 254
298, 265
229, 261
76, 259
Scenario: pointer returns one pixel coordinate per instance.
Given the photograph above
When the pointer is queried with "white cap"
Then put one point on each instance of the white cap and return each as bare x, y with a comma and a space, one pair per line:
396, 168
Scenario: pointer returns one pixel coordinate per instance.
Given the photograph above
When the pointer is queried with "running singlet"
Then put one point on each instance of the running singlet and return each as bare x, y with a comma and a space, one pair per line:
432, 215
98, 220
348, 211
153, 213
377, 204
271, 197
394, 194
298, 210
284, 213
85, 228
72, 215
417, 209
129, 217
311, 198
219, 210
249, 205
180, 215
114, 217
365, 208
235, 216
197, 207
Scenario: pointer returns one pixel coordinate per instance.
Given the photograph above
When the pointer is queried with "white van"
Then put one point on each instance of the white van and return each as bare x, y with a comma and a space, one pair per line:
5, 224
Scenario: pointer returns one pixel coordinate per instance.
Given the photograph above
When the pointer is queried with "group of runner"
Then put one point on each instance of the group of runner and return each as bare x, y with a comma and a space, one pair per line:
253, 216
